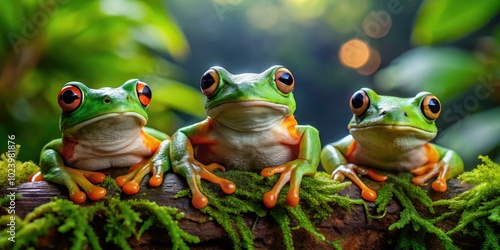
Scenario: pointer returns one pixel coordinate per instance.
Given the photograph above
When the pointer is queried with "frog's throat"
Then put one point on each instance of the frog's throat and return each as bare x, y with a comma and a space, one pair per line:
393, 127
386, 136
249, 115
142, 120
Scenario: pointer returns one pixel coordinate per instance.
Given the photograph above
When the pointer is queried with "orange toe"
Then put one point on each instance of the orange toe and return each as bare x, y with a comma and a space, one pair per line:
439, 186
228, 187
375, 176
292, 199
369, 195
121, 180
199, 201
96, 177
269, 199
96, 193
131, 187
155, 181
78, 197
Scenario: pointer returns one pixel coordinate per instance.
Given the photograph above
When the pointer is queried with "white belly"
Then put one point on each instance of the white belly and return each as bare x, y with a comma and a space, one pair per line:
114, 142
248, 151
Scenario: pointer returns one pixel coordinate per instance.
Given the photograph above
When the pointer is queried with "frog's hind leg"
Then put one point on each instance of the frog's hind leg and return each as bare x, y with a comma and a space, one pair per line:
85, 179
53, 170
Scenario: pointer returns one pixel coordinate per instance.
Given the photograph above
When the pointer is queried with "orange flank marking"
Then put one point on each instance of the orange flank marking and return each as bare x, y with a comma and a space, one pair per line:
150, 142
290, 124
431, 153
68, 147
350, 151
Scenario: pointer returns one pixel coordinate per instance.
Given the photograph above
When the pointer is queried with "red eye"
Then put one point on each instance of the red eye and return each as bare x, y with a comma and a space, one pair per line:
359, 102
144, 93
70, 98
284, 80
431, 107
209, 82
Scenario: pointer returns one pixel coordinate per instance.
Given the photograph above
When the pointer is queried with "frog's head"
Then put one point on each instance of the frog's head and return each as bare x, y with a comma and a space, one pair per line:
387, 119
248, 101
111, 108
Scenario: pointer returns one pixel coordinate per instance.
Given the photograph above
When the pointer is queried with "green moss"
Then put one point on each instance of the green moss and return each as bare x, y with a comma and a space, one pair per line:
413, 228
19, 171
110, 184
318, 195
479, 207
124, 219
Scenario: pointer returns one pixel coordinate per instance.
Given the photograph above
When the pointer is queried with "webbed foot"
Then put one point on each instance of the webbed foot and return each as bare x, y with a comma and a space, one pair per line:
158, 164
351, 170
289, 173
425, 172
194, 171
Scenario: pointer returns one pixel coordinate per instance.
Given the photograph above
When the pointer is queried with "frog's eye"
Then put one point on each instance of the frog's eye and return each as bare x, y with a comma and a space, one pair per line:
359, 102
70, 97
143, 93
431, 107
284, 80
209, 82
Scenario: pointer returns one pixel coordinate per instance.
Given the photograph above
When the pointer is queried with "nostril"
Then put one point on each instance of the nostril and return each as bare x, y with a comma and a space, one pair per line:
406, 114
107, 100
383, 113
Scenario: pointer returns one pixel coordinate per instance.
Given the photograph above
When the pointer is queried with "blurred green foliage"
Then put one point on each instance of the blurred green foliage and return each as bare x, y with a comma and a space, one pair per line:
45, 44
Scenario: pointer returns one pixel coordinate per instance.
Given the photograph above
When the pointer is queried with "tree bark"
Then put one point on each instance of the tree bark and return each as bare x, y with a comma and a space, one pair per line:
356, 230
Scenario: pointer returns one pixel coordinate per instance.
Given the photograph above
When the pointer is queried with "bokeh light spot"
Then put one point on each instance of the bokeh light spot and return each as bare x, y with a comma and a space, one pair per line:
354, 53
372, 65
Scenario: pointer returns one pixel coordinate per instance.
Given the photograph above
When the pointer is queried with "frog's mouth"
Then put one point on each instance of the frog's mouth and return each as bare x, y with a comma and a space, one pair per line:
391, 137
249, 115
111, 123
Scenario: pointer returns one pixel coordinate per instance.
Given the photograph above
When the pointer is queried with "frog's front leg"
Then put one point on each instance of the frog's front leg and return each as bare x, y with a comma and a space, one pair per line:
448, 166
54, 170
293, 171
158, 164
184, 163
334, 161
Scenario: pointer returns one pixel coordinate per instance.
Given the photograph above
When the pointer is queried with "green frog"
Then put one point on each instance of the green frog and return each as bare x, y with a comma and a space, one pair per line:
250, 127
104, 128
391, 133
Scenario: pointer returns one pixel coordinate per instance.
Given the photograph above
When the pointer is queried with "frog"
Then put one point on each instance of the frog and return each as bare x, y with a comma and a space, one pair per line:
391, 134
250, 126
104, 128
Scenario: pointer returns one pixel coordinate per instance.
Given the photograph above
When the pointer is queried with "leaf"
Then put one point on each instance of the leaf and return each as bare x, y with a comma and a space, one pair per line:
180, 97
446, 72
447, 20
162, 33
